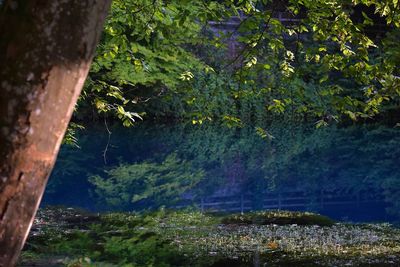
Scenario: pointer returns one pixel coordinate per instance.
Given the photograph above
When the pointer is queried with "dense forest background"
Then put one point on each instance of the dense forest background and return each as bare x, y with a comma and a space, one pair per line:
251, 96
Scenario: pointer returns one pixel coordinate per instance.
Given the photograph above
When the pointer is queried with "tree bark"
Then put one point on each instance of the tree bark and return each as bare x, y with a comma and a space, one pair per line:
46, 47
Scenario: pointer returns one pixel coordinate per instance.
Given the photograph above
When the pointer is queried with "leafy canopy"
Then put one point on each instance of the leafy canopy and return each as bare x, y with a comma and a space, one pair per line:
326, 59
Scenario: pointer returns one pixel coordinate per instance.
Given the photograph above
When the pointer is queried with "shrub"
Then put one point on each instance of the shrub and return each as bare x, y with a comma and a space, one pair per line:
278, 217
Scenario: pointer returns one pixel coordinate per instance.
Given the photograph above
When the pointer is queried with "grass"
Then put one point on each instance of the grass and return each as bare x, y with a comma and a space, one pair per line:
190, 238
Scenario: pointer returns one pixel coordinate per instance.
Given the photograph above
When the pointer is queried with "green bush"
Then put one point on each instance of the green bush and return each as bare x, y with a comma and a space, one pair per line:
146, 185
278, 217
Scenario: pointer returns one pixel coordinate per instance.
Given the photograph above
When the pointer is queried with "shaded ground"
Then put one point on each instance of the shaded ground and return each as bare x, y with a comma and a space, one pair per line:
69, 237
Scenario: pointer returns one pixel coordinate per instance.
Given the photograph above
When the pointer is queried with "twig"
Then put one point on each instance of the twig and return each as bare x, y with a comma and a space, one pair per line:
108, 141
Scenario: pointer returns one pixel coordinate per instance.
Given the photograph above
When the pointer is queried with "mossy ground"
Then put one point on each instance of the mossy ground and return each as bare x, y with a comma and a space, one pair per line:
68, 237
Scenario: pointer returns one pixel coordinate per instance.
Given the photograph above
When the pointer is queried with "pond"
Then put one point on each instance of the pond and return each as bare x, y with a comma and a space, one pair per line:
347, 173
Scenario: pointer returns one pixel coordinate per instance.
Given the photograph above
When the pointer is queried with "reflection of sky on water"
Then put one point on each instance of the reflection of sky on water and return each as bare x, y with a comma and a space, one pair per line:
349, 173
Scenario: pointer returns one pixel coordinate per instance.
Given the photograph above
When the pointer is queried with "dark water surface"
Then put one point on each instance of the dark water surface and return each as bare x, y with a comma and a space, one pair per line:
349, 174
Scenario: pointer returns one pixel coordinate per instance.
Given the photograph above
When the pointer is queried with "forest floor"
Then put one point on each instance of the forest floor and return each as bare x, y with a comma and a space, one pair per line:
71, 237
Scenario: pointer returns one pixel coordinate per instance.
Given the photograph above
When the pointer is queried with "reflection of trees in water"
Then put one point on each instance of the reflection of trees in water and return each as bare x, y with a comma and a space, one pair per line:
347, 160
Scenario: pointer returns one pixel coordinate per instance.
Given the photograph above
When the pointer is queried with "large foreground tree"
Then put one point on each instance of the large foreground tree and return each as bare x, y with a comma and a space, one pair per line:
46, 48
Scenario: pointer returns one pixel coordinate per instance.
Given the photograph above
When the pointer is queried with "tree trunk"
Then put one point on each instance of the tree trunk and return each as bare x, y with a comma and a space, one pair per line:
46, 47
